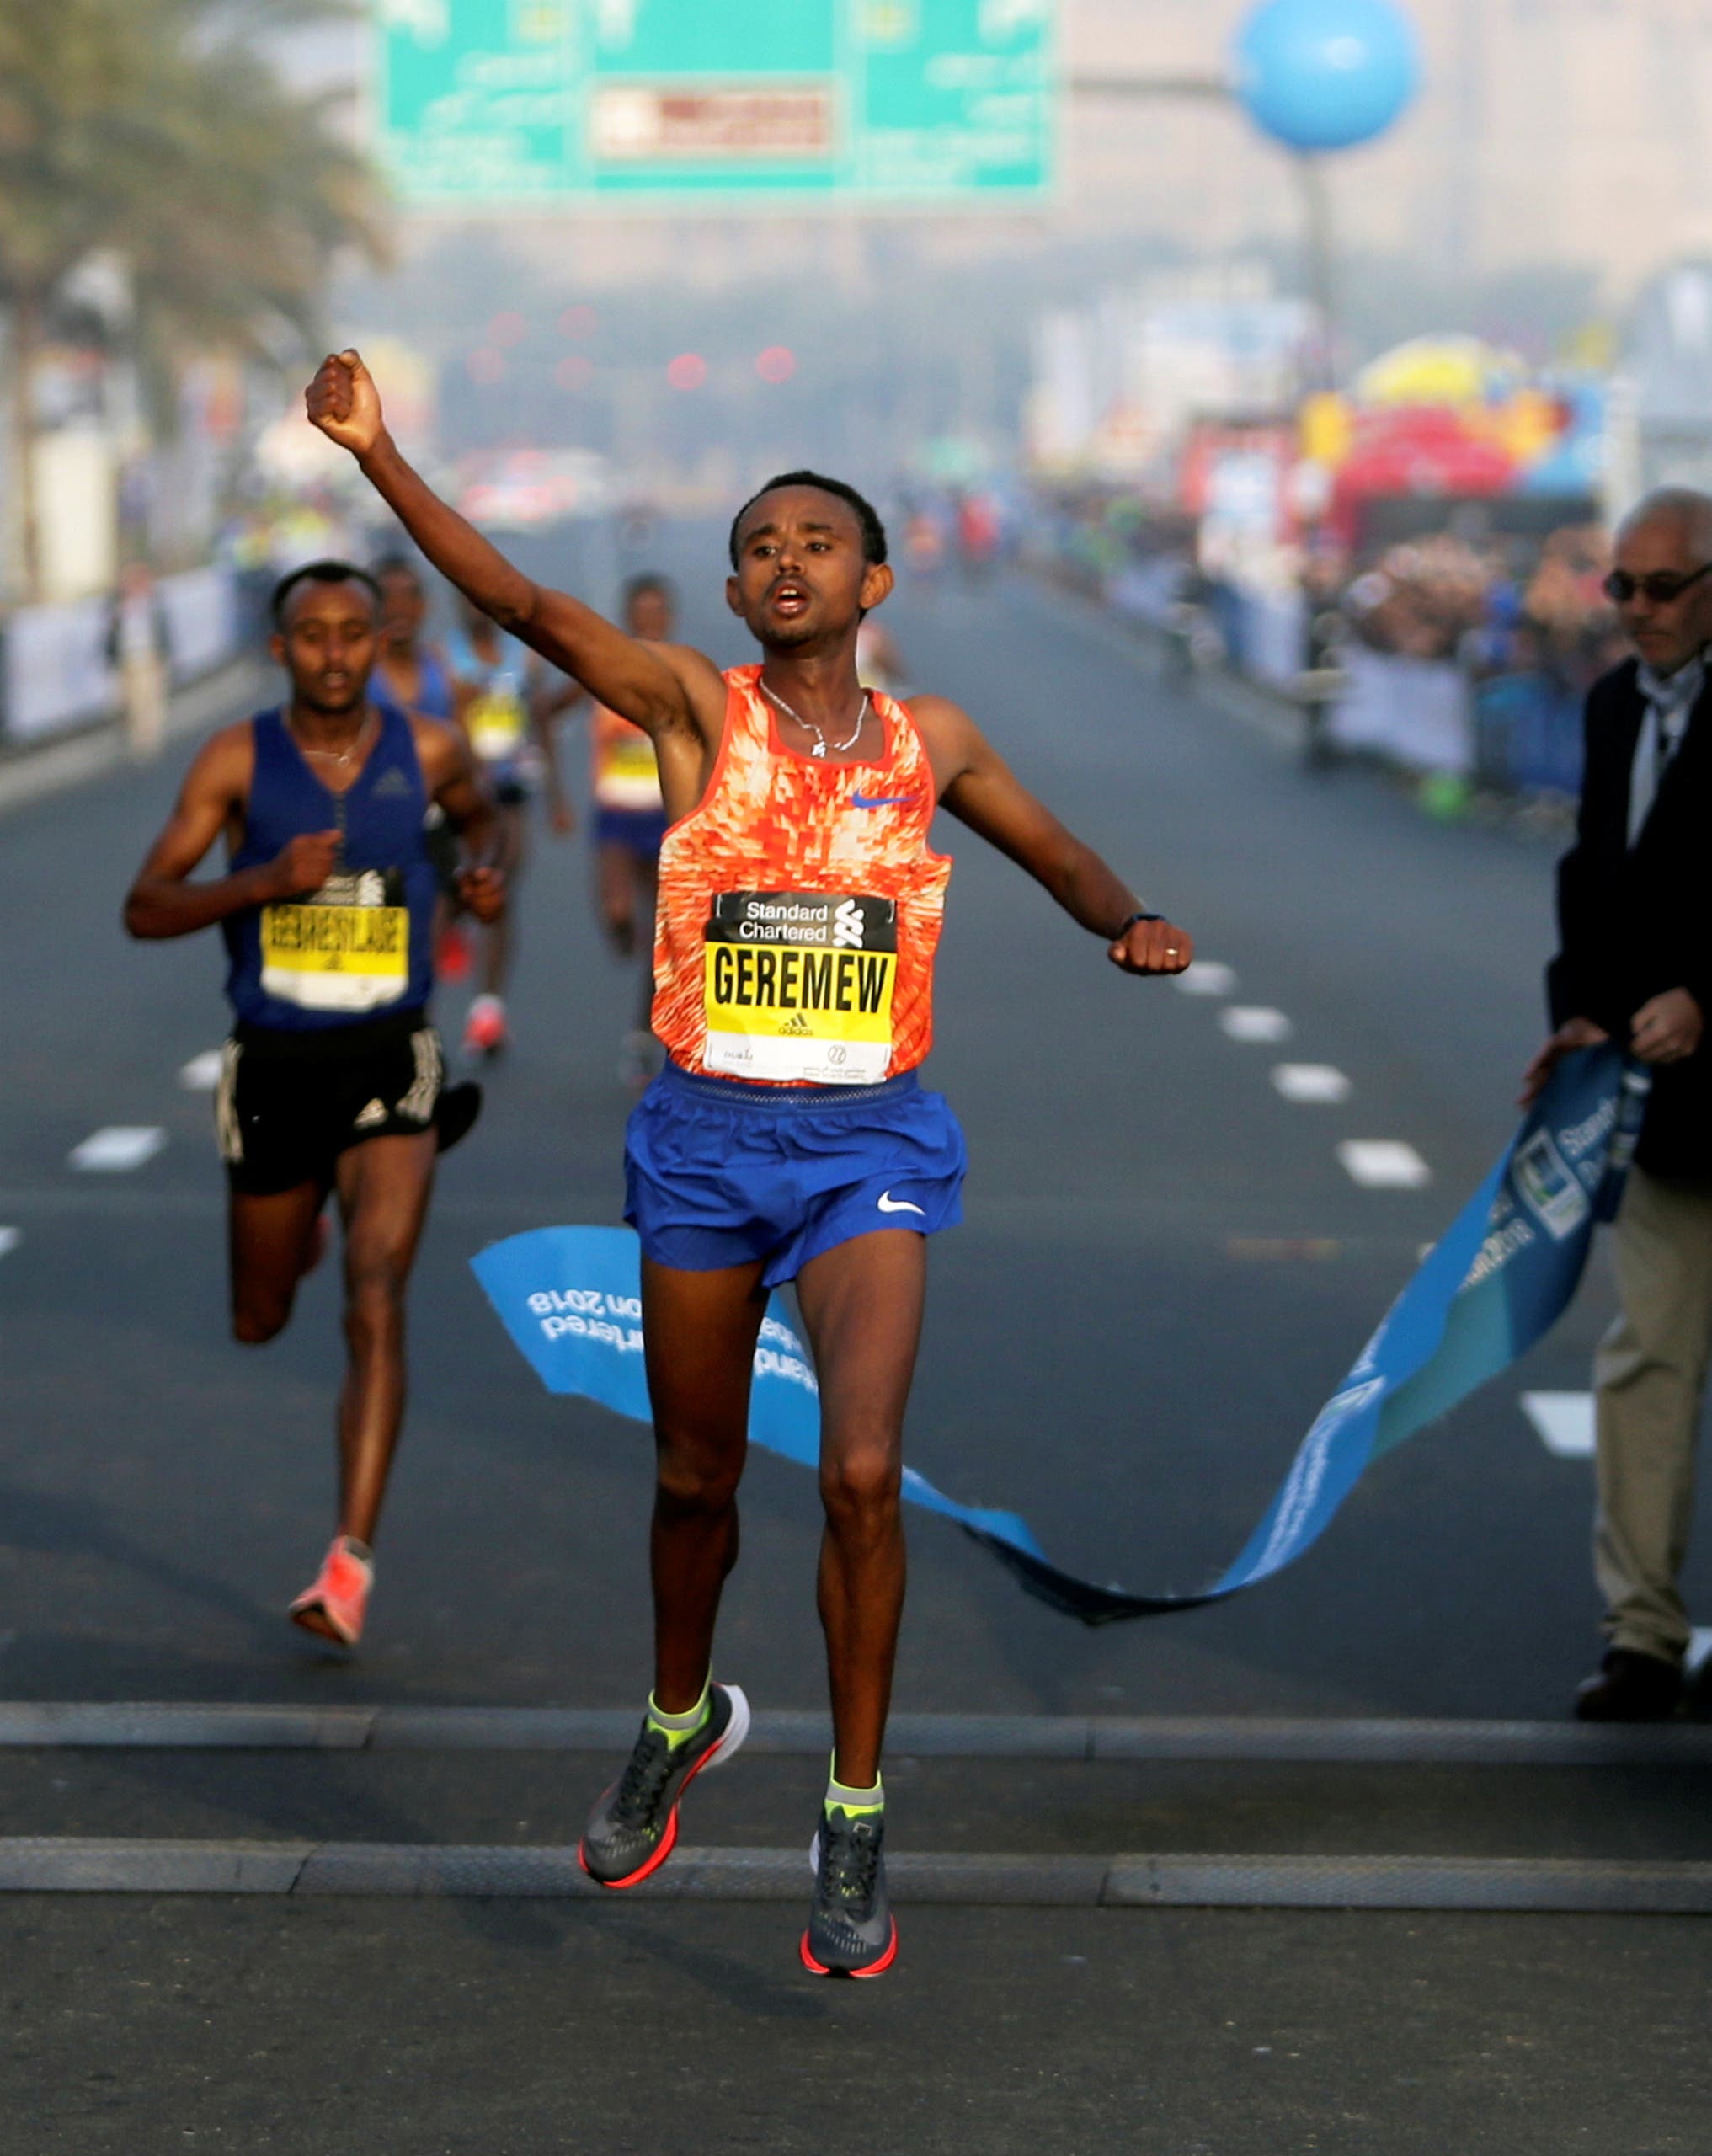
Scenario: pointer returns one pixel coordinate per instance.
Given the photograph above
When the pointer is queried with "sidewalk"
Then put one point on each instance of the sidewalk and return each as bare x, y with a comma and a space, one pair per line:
31, 773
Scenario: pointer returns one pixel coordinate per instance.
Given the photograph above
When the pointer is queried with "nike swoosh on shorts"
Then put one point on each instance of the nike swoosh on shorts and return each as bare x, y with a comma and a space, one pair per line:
888, 1204
882, 800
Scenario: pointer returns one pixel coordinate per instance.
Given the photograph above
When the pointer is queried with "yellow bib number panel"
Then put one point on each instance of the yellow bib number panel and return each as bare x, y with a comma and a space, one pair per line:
799, 984
497, 722
627, 775
347, 948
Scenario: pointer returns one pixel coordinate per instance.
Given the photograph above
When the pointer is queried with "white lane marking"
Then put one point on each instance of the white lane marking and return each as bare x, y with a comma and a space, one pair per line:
1205, 977
117, 1149
1310, 1082
1253, 1022
1563, 1421
9, 1240
1699, 1650
1384, 1164
201, 1074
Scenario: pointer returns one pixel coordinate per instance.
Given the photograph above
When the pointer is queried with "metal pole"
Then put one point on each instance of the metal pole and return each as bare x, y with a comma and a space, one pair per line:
1321, 260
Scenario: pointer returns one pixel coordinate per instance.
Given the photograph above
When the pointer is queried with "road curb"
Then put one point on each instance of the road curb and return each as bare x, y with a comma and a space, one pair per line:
147, 1724
1562, 1887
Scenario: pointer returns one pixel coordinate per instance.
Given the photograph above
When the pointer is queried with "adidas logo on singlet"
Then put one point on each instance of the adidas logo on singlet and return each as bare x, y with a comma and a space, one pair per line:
391, 783
796, 1023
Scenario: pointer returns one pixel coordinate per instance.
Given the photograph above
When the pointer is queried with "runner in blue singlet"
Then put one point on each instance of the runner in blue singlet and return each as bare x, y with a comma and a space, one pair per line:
410, 673
332, 1079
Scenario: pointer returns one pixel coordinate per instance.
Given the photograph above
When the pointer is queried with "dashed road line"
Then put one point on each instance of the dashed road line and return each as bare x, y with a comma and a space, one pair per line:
1384, 1163
10, 1238
1564, 1421
1311, 1083
1205, 977
117, 1149
1249, 1021
201, 1074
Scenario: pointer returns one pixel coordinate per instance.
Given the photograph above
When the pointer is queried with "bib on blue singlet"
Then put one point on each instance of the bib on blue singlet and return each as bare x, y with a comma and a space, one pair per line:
347, 948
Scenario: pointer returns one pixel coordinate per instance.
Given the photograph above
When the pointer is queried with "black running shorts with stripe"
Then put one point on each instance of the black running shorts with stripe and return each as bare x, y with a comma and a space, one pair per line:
290, 1103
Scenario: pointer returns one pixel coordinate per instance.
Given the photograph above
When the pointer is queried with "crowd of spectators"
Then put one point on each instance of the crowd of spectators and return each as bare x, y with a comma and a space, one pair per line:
1524, 620
1501, 607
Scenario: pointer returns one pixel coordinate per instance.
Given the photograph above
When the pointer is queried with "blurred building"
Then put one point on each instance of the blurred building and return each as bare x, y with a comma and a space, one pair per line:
1550, 131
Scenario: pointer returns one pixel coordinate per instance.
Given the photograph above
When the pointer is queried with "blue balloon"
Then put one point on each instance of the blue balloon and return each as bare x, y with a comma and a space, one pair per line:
1326, 74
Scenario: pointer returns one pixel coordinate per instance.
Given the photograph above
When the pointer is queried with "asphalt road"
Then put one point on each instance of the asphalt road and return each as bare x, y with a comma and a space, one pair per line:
1165, 1268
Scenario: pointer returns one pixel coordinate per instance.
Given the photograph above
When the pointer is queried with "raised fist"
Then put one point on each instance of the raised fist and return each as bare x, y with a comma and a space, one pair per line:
344, 403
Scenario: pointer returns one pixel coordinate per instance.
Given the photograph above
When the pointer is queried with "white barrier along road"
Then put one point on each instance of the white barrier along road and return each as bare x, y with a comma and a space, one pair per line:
55, 670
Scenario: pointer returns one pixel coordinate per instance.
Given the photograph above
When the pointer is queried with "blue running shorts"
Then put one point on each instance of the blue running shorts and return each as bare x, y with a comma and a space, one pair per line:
717, 1173
640, 831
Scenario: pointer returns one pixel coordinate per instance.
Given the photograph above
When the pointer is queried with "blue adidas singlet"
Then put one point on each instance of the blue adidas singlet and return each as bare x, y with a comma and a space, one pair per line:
433, 690
360, 947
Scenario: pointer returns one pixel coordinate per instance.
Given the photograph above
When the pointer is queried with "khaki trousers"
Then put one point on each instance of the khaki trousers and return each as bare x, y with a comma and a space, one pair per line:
1649, 1376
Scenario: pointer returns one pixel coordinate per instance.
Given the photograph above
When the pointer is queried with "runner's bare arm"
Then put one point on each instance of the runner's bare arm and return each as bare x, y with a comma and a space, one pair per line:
163, 902
665, 689
453, 781
978, 788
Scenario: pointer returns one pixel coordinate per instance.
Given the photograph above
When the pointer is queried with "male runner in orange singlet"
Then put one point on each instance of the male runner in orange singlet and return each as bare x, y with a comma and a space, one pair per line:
787, 1138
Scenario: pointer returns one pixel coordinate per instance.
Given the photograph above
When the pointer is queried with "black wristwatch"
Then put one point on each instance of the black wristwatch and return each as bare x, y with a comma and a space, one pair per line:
1132, 921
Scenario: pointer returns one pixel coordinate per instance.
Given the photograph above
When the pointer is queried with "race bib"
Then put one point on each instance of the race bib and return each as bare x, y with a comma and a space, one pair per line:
497, 723
799, 986
347, 948
627, 776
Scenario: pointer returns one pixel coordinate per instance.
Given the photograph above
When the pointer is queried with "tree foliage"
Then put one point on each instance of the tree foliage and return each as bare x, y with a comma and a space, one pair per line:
157, 131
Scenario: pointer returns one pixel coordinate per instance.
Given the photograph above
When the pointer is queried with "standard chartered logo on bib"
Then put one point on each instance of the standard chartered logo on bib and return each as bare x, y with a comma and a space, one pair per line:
798, 986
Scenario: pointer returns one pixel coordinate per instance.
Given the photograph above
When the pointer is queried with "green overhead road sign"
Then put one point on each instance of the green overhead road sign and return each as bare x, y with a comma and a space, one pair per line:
643, 101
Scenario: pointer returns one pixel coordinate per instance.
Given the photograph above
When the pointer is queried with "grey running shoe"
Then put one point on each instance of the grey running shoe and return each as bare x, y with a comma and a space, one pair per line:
850, 1930
631, 1830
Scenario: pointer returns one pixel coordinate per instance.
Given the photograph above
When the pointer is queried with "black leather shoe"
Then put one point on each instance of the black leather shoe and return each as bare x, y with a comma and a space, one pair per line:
1630, 1687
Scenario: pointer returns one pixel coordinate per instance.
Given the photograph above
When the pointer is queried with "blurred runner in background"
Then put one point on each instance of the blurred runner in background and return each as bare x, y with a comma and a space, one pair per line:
332, 1081
879, 662
412, 674
629, 817
492, 676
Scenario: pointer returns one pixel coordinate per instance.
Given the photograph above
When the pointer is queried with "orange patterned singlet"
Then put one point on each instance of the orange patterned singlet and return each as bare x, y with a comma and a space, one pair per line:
800, 905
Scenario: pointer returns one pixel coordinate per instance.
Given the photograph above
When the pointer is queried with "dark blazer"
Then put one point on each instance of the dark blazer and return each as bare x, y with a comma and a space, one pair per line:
1631, 924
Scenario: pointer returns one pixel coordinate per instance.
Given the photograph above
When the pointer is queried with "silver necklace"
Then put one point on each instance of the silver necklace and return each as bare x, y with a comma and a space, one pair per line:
336, 756
808, 726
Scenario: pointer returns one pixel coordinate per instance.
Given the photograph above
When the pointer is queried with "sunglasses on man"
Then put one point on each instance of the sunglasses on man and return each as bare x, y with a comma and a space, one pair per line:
1660, 586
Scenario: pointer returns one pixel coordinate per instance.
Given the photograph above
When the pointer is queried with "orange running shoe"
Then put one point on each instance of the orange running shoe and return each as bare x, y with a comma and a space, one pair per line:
485, 1030
334, 1606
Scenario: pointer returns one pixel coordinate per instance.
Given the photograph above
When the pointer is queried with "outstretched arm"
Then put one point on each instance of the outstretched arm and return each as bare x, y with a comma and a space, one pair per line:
163, 902
980, 790
663, 688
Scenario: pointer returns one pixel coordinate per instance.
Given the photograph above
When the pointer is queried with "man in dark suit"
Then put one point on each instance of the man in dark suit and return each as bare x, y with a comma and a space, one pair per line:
1635, 920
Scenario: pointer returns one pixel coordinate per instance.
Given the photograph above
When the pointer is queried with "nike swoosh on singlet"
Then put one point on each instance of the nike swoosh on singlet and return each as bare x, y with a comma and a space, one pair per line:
881, 800
888, 1204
